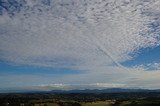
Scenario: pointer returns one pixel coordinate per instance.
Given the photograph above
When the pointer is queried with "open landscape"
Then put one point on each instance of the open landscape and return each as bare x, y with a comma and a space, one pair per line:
79, 52
80, 99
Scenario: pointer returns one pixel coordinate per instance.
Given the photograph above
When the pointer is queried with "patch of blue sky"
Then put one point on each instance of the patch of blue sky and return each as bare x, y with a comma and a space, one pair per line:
144, 56
15, 6
6, 68
11, 6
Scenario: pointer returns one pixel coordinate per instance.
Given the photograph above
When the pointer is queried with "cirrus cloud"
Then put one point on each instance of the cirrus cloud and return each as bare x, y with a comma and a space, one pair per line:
77, 34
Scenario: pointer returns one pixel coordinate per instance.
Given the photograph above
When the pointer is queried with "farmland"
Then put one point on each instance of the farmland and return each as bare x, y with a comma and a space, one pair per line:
80, 99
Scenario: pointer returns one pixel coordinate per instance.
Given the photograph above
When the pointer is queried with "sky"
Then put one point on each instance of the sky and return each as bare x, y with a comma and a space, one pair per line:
79, 44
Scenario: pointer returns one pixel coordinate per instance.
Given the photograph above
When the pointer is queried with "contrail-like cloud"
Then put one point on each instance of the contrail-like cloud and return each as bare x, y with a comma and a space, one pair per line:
75, 34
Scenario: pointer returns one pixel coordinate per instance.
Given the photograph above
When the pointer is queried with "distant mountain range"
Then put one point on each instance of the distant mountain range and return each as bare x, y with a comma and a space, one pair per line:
109, 90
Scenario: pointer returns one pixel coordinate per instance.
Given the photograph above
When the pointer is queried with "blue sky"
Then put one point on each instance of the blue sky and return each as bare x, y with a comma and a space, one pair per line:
145, 56
82, 44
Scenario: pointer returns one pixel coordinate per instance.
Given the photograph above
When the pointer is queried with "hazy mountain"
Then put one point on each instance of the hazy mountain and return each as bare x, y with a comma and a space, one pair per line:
109, 90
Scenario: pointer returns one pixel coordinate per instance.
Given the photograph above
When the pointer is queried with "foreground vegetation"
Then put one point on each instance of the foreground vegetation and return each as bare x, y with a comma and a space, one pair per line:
80, 99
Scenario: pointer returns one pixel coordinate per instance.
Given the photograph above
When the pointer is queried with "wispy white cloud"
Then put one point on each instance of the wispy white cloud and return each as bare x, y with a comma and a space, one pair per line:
111, 77
78, 86
70, 33
150, 66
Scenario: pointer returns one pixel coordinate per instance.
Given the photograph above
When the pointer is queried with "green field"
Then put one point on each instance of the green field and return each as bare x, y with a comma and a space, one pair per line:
99, 103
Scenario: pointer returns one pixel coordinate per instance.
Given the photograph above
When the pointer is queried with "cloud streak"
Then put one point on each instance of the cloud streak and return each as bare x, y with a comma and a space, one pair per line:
70, 33
95, 36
